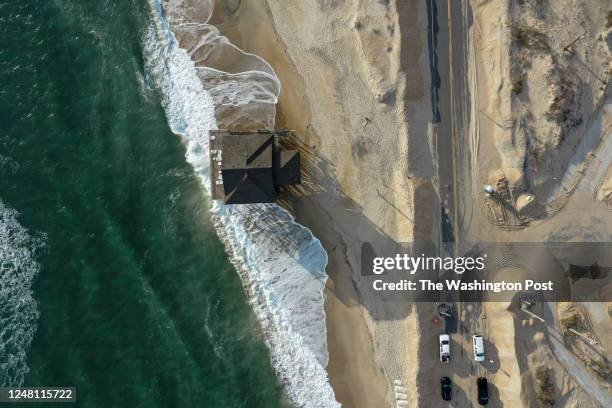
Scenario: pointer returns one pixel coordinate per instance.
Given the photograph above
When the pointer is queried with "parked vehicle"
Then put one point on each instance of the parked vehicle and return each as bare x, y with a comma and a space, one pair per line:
444, 348
479, 351
447, 392
446, 311
483, 390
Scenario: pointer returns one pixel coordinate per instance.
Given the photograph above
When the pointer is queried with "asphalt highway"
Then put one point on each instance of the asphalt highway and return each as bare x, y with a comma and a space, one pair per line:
450, 93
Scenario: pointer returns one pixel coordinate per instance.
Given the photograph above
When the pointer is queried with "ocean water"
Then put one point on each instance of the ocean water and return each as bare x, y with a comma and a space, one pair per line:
207, 82
113, 278
18, 311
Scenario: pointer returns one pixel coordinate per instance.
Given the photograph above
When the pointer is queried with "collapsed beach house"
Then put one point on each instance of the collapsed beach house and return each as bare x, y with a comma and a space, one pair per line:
250, 167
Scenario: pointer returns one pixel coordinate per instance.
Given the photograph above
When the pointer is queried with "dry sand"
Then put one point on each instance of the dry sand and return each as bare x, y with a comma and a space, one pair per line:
354, 79
355, 87
541, 75
513, 131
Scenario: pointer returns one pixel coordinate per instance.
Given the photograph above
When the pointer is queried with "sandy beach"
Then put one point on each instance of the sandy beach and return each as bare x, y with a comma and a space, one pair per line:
354, 80
356, 90
306, 203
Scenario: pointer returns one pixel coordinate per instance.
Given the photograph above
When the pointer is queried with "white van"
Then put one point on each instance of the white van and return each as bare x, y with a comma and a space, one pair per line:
444, 348
479, 351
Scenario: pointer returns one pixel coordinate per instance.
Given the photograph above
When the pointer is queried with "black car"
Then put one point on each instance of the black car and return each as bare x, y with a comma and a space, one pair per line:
447, 393
483, 391
446, 311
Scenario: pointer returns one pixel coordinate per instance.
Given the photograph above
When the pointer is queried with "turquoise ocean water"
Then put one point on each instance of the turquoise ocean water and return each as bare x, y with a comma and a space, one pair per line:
136, 304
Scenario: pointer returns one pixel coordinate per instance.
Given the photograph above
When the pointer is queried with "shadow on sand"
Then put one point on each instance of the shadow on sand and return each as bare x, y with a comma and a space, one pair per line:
319, 184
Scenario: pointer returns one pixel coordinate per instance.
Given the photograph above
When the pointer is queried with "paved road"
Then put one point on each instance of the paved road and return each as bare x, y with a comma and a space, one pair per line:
451, 116
453, 107
451, 100
451, 128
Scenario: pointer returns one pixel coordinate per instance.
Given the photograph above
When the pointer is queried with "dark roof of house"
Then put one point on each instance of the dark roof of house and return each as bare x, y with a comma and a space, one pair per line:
289, 168
250, 166
247, 151
248, 186
247, 168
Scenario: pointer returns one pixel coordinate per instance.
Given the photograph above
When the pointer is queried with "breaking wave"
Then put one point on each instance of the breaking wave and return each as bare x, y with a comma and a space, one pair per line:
18, 309
207, 83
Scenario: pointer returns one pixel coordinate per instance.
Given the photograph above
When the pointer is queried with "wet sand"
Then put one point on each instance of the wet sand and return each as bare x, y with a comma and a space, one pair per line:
353, 88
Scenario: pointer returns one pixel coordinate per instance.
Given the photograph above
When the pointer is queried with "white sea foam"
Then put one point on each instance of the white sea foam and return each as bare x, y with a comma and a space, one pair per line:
18, 309
282, 265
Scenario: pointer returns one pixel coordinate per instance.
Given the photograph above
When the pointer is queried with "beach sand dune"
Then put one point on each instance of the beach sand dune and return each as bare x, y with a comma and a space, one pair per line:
541, 83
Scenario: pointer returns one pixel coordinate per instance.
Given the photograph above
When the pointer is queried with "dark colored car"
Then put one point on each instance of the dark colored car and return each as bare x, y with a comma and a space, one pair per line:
447, 392
446, 311
483, 391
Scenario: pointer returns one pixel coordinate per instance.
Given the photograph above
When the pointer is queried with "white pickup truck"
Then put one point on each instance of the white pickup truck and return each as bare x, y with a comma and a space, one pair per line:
444, 348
